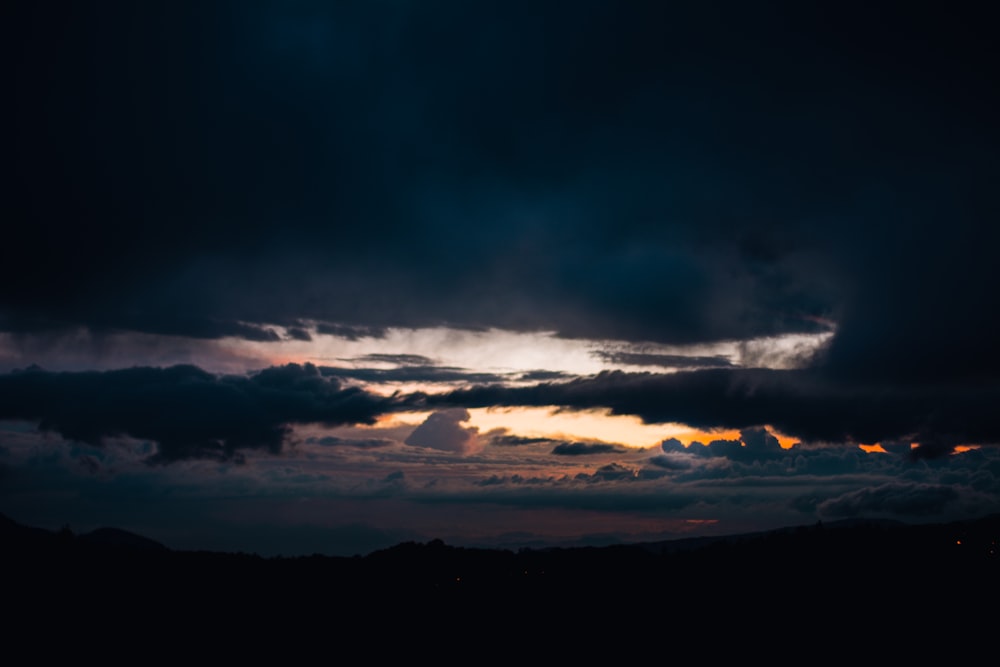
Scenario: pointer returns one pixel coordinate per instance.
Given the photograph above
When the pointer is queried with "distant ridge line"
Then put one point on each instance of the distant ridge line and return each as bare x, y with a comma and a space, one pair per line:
111, 537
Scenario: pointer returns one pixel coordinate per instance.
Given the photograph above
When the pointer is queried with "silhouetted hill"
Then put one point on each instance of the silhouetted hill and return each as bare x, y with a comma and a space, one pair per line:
695, 543
122, 539
808, 578
848, 544
14, 533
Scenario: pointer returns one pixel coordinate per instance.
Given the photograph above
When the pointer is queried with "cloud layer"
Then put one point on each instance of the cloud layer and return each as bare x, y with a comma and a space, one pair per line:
185, 411
642, 173
805, 404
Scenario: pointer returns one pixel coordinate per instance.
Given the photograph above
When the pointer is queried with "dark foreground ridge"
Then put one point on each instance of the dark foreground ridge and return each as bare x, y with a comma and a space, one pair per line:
811, 576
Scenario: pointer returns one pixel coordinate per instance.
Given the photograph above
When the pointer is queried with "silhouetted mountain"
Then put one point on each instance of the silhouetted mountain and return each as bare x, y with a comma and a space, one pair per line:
971, 542
115, 537
13, 532
689, 543
824, 578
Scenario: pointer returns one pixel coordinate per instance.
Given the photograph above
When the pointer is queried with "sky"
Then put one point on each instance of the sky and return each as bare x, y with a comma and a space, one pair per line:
322, 277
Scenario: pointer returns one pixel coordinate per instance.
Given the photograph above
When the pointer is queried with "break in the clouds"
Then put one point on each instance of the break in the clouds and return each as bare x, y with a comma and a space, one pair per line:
403, 243
804, 404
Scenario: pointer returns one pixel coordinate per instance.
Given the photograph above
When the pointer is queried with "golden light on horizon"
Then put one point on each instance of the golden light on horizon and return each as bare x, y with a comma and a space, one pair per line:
877, 448
786, 441
957, 449
553, 423
600, 425
590, 425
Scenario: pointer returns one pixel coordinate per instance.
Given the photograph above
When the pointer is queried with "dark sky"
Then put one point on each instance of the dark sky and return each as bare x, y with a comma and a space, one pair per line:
228, 223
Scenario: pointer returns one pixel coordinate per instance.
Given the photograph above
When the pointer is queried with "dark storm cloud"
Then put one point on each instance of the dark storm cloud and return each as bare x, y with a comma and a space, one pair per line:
296, 333
753, 445
584, 448
648, 171
670, 463
501, 438
360, 443
350, 332
412, 373
799, 403
663, 360
395, 359
186, 411
543, 376
896, 498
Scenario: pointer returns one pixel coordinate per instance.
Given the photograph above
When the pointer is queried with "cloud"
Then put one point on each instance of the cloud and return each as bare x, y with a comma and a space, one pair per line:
501, 438
82, 349
396, 359
663, 360
754, 444
543, 375
793, 351
584, 448
360, 443
800, 403
351, 332
298, 333
671, 462
595, 216
443, 430
186, 411
900, 499
613, 472
412, 372
516, 479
